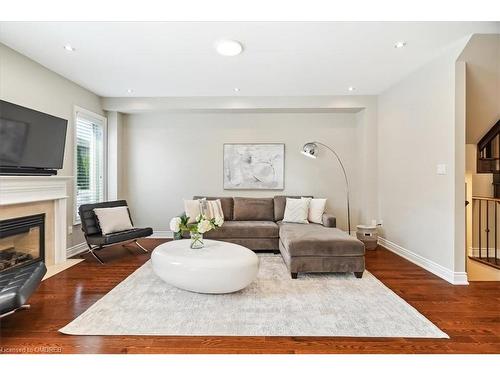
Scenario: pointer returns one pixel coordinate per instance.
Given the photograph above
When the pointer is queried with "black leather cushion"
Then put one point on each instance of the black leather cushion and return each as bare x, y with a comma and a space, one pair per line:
112, 238
90, 225
18, 284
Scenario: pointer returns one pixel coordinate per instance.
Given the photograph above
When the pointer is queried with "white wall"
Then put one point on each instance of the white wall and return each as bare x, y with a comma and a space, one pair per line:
27, 83
482, 57
417, 130
171, 156
114, 167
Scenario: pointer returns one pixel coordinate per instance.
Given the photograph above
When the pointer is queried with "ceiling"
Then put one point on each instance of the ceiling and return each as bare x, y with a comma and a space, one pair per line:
161, 59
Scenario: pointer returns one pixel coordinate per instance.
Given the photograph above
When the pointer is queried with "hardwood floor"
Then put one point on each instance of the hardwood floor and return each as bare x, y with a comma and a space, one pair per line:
470, 315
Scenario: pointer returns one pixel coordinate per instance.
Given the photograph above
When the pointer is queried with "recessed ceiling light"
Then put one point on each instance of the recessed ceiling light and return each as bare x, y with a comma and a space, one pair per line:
400, 45
236, 89
69, 47
228, 47
351, 88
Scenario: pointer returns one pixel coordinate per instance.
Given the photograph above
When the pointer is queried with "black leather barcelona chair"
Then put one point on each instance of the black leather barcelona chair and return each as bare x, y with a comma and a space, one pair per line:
17, 285
94, 237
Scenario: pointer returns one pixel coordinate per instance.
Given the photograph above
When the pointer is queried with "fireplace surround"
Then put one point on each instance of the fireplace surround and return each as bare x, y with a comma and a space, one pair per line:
22, 196
22, 241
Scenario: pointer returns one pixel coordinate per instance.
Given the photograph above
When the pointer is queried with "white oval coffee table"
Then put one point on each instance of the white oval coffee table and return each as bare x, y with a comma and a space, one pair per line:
219, 267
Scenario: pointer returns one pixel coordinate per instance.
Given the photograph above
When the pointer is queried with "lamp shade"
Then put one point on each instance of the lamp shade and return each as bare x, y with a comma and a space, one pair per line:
310, 150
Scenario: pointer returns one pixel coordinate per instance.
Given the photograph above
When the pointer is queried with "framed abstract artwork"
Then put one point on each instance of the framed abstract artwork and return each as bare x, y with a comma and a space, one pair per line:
254, 166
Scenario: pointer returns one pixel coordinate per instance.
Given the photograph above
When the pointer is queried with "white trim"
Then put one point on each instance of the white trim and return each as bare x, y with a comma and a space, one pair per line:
25, 189
60, 223
460, 278
162, 234
104, 120
76, 249
455, 278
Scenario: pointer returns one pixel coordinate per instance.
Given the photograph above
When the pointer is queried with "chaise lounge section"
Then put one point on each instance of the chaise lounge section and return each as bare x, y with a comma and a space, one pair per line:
257, 223
316, 248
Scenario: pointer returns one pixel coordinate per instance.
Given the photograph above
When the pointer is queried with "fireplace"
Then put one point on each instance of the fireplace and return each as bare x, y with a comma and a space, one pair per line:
22, 241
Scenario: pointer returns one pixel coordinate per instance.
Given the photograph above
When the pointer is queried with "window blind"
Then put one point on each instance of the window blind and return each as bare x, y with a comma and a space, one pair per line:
89, 154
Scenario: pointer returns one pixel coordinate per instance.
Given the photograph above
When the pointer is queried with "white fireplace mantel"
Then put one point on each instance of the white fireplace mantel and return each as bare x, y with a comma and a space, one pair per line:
26, 189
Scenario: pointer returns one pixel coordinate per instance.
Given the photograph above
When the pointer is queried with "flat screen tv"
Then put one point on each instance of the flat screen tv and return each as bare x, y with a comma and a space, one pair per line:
31, 142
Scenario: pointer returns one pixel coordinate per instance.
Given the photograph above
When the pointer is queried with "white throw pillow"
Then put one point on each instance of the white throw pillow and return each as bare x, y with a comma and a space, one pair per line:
192, 208
212, 209
296, 210
317, 208
113, 219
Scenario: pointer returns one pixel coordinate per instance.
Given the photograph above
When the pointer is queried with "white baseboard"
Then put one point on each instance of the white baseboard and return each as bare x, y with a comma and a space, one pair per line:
162, 234
455, 278
460, 278
76, 249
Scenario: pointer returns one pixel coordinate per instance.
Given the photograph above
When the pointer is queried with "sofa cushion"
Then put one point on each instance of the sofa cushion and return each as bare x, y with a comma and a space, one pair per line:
316, 210
317, 240
212, 209
245, 229
226, 202
113, 219
296, 210
280, 203
89, 221
256, 209
256, 244
192, 209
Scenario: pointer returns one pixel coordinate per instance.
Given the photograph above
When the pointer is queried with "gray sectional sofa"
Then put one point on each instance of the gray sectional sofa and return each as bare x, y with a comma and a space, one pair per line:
256, 223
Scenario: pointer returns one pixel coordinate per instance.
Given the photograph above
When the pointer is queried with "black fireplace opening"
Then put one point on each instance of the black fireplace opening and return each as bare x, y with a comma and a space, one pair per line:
22, 241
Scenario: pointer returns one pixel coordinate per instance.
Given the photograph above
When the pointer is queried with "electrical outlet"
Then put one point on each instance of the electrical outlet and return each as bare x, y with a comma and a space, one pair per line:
70, 229
380, 222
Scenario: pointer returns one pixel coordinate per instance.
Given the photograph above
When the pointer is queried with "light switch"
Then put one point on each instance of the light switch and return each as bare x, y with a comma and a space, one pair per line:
441, 169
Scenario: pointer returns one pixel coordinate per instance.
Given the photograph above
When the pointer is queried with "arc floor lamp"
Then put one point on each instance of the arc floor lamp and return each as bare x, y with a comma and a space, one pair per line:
311, 149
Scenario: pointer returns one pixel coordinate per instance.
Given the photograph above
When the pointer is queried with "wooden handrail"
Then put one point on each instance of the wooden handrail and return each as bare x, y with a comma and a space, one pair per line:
489, 136
476, 197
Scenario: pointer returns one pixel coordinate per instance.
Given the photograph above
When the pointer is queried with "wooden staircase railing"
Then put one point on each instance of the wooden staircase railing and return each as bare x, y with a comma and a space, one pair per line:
488, 156
485, 212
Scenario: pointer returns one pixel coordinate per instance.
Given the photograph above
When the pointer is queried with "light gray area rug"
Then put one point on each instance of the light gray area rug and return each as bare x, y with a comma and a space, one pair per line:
273, 305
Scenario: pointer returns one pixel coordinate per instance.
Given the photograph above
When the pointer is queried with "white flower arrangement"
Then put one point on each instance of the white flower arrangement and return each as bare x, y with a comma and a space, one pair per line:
175, 224
202, 225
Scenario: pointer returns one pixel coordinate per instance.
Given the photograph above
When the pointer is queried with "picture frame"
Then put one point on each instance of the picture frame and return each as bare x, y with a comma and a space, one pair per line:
254, 166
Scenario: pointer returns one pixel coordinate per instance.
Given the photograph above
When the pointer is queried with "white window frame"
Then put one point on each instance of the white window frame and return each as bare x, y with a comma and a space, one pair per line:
104, 121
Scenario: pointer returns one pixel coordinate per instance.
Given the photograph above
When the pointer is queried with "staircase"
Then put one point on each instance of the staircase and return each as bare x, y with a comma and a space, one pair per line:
488, 156
486, 209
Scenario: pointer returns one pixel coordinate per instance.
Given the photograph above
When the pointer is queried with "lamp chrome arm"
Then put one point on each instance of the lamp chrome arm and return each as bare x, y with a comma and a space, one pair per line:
345, 178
